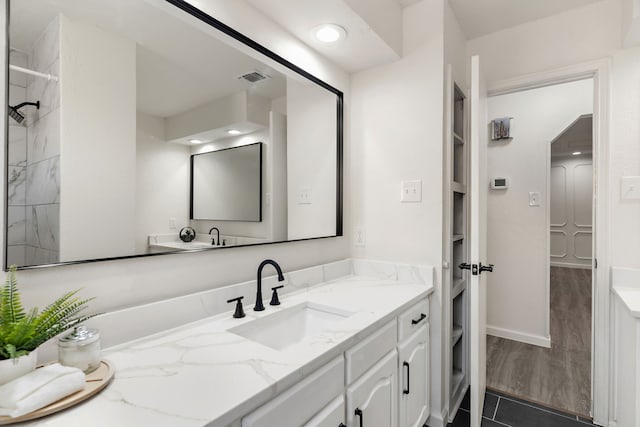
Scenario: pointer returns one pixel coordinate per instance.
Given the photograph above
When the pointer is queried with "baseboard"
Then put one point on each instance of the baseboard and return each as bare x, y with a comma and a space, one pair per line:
519, 336
437, 420
568, 265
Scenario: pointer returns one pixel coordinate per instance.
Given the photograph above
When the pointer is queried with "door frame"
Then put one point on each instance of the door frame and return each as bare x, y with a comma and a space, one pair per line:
600, 71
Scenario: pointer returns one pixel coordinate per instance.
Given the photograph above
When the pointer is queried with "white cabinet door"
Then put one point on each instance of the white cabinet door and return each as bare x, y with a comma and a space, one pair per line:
372, 400
414, 379
331, 416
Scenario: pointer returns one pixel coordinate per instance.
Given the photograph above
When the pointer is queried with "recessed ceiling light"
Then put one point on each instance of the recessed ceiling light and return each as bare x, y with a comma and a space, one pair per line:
234, 132
575, 153
196, 141
329, 33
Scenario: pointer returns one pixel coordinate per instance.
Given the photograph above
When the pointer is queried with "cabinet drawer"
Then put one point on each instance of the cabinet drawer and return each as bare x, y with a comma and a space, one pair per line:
412, 319
365, 354
331, 416
301, 402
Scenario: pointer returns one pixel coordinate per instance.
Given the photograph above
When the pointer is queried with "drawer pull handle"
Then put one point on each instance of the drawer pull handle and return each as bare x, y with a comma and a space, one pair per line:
416, 321
359, 414
406, 364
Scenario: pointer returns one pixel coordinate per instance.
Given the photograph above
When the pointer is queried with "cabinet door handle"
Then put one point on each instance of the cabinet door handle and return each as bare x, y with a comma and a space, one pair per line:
420, 319
359, 414
406, 364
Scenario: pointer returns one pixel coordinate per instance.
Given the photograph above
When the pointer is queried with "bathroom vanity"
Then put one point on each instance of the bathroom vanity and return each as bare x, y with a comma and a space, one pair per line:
348, 345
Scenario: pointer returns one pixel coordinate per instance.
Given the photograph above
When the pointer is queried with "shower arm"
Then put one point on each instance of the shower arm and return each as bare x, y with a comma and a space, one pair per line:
33, 73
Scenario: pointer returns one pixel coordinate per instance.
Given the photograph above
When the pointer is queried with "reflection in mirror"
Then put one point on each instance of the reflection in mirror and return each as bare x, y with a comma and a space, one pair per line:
120, 94
227, 184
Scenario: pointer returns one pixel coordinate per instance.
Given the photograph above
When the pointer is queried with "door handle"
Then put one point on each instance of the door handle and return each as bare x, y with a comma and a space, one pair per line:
418, 320
488, 268
464, 266
359, 414
406, 364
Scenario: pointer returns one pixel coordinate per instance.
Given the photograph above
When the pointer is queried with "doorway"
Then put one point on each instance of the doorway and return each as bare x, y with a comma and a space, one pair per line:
540, 296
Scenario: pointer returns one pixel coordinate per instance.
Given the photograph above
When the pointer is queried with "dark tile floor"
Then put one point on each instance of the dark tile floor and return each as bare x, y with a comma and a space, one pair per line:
505, 411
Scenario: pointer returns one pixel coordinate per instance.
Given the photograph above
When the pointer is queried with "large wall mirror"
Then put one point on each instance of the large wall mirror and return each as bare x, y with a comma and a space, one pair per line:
109, 101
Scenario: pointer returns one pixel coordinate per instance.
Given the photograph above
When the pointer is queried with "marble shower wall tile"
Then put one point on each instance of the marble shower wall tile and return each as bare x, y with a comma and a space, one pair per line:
45, 91
37, 256
17, 146
15, 255
43, 182
16, 225
20, 59
43, 138
17, 185
43, 226
46, 49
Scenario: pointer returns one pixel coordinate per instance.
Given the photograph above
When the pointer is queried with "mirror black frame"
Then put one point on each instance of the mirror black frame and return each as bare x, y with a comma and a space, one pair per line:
208, 19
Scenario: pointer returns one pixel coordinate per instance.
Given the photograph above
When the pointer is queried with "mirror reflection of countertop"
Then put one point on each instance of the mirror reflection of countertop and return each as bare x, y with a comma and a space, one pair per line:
203, 374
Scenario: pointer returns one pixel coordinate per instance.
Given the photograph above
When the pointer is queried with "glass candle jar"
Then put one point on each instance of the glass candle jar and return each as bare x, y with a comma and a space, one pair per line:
80, 349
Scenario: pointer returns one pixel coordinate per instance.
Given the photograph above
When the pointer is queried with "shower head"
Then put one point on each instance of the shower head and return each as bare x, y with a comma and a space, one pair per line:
15, 114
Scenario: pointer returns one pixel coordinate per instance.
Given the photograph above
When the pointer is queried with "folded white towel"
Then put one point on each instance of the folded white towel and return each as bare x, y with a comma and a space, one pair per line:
39, 388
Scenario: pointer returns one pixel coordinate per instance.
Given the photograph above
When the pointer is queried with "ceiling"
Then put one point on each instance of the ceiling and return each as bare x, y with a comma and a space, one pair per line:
365, 47
577, 137
179, 65
481, 17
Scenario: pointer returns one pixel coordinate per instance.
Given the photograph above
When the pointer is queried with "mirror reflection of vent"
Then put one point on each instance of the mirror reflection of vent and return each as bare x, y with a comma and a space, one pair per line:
253, 77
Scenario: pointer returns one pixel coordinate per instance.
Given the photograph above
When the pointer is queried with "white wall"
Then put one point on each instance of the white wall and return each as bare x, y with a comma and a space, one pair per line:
98, 137
277, 162
517, 294
128, 282
578, 35
396, 134
625, 158
311, 160
571, 211
256, 229
162, 181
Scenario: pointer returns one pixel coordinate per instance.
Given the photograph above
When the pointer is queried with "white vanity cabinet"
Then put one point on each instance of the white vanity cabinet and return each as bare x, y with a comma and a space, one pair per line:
303, 401
372, 400
381, 381
413, 368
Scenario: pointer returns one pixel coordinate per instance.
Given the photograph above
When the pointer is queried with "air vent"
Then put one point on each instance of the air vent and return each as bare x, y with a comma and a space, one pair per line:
253, 77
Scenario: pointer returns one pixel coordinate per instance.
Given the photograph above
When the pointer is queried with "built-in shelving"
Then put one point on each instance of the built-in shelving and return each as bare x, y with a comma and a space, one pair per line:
458, 222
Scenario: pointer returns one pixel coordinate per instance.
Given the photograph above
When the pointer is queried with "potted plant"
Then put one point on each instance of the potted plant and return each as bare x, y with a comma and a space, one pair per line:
22, 332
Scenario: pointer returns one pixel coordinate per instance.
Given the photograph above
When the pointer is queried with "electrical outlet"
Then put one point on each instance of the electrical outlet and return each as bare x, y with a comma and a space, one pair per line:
268, 199
630, 187
360, 236
172, 224
411, 191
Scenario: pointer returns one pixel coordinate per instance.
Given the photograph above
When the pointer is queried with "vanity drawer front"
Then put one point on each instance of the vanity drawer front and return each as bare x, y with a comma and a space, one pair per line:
365, 354
412, 319
301, 402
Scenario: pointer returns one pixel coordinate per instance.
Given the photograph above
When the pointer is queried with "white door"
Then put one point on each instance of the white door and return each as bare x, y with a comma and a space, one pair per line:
478, 243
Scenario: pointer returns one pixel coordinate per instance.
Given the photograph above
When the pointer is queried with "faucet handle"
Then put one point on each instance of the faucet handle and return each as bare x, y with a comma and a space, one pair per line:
239, 313
274, 297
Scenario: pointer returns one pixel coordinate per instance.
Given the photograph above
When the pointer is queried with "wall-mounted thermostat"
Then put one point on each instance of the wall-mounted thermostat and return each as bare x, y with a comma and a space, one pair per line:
499, 183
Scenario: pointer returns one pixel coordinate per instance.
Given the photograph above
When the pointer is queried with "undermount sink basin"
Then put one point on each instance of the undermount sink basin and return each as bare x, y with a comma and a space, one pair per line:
291, 325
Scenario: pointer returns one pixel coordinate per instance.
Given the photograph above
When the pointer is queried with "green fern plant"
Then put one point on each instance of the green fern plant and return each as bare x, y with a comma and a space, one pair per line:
23, 331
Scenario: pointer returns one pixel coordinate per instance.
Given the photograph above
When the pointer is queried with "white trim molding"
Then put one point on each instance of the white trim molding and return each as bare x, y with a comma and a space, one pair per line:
600, 71
524, 337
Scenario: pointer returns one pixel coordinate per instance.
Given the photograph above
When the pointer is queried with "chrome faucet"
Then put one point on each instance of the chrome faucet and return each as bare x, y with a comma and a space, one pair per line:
259, 306
213, 241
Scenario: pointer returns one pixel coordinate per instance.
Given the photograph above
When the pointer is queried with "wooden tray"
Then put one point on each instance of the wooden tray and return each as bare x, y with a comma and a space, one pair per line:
96, 381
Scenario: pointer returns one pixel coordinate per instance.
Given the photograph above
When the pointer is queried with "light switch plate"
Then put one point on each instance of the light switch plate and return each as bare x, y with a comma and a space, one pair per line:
534, 198
360, 236
630, 187
411, 191
305, 196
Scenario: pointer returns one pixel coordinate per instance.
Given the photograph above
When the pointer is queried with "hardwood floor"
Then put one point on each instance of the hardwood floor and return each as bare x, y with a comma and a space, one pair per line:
560, 376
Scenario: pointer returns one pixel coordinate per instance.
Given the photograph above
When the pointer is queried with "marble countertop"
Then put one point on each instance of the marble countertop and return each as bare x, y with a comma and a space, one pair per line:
200, 374
630, 296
